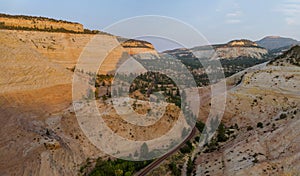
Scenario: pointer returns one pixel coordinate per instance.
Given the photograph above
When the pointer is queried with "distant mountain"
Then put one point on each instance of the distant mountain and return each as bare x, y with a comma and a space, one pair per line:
231, 50
276, 42
291, 57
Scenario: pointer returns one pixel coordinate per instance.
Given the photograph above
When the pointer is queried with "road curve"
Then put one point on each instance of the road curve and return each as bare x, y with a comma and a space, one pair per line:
155, 163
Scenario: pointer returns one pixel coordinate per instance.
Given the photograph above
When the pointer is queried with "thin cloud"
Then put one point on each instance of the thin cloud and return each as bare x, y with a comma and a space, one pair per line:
291, 10
234, 17
231, 11
234, 14
233, 21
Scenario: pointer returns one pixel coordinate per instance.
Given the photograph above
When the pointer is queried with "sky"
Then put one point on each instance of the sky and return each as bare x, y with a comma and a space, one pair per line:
219, 21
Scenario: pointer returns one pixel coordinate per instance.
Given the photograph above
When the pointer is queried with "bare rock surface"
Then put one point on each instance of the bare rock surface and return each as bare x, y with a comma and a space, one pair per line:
268, 96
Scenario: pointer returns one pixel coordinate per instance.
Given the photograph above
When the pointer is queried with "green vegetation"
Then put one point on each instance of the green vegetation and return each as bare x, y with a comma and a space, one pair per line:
229, 66
189, 167
26, 17
174, 169
260, 125
221, 137
62, 30
223, 134
249, 128
291, 56
200, 126
213, 145
150, 82
50, 29
283, 116
117, 167
255, 160
187, 148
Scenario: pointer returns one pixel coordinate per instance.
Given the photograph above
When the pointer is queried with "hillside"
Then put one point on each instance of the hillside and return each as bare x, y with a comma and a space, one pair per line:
40, 133
291, 57
65, 48
234, 56
263, 115
276, 42
258, 133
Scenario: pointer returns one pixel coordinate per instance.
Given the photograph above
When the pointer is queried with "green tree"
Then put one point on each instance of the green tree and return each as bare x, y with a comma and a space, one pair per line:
128, 173
118, 172
175, 170
200, 126
260, 125
189, 167
222, 133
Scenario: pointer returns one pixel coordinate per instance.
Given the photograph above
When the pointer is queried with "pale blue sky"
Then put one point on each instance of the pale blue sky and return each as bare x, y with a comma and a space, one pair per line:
220, 20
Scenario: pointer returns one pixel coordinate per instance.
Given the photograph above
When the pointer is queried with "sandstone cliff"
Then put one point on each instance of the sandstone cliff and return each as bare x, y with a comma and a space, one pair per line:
38, 23
40, 133
65, 48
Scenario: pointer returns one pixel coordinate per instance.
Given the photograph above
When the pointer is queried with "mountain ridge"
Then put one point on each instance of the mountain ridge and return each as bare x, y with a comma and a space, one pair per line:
275, 42
230, 50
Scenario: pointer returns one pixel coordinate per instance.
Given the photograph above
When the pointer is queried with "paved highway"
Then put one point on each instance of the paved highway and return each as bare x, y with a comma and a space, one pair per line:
157, 162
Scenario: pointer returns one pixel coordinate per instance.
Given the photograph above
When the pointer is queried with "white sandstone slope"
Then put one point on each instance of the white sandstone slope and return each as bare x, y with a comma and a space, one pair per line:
270, 96
40, 134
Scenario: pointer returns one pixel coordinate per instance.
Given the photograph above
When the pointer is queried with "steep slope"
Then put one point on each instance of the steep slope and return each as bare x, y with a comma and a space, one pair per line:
39, 128
23, 68
265, 107
65, 48
40, 134
275, 42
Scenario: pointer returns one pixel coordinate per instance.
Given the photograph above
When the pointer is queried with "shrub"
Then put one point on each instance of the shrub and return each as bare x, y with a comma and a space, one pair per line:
117, 167
221, 137
200, 126
175, 170
283, 116
249, 128
187, 148
189, 167
260, 125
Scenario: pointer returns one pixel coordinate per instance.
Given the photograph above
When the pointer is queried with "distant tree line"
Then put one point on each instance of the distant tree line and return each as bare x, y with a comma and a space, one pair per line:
26, 17
62, 30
